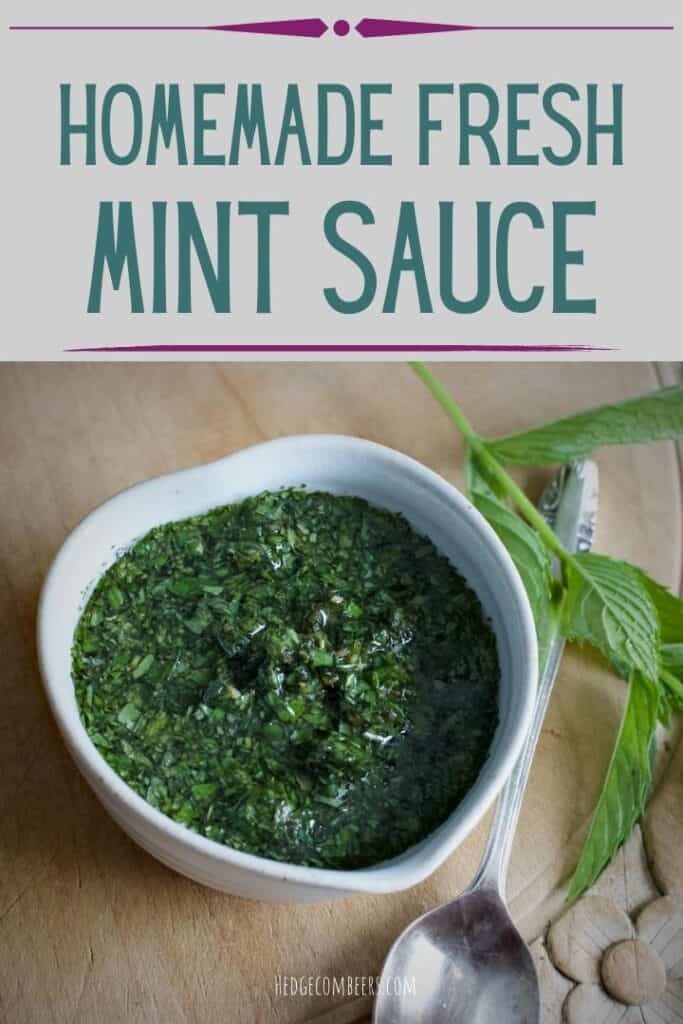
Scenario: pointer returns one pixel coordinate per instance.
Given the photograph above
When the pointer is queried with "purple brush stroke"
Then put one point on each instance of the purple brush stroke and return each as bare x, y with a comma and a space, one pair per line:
343, 348
310, 28
370, 28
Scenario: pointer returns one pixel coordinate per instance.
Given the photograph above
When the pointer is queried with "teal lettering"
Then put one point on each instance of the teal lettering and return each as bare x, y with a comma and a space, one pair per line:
204, 124
167, 122
68, 128
446, 230
263, 211
250, 122
564, 257
325, 157
517, 124
191, 239
129, 155
159, 289
553, 157
115, 249
426, 123
369, 124
482, 131
407, 258
353, 254
533, 214
615, 128
292, 125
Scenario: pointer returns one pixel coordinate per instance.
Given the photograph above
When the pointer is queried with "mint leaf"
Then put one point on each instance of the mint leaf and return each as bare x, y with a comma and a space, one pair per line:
626, 786
607, 605
669, 610
526, 549
672, 658
671, 677
527, 552
654, 417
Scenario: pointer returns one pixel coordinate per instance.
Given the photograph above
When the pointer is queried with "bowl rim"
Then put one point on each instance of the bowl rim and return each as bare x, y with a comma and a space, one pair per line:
408, 868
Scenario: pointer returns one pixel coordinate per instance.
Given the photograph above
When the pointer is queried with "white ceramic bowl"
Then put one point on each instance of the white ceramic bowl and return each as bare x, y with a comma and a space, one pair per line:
343, 465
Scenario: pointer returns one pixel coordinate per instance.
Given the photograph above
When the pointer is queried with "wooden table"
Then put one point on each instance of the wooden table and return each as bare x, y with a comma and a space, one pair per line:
94, 930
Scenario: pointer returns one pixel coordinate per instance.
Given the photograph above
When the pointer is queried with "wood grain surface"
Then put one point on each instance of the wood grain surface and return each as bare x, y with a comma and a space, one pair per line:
91, 928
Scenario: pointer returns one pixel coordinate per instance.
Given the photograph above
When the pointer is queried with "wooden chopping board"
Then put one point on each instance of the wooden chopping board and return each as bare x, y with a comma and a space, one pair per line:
93, 929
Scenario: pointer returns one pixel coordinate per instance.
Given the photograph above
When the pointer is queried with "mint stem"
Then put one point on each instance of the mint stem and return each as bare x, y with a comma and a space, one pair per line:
478, 446
447, 403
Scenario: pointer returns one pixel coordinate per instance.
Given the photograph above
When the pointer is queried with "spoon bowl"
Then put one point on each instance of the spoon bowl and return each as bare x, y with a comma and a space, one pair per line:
467, 960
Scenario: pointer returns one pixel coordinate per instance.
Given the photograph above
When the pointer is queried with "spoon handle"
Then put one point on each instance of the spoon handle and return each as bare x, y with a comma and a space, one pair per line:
570, 505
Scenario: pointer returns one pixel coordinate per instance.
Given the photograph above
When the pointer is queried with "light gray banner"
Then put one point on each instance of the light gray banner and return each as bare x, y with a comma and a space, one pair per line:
631, 246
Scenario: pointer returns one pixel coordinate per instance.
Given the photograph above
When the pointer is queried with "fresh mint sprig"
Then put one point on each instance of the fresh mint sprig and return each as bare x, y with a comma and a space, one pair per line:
654, 417
634, 622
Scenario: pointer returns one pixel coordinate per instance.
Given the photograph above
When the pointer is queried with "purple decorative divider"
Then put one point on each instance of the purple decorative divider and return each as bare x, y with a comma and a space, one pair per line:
367, 28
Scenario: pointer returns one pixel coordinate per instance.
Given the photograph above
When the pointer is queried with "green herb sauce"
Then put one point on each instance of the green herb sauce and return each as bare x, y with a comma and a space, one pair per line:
299, 676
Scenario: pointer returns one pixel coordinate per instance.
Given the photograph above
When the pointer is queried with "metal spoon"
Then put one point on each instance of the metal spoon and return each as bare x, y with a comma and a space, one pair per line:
465, 961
